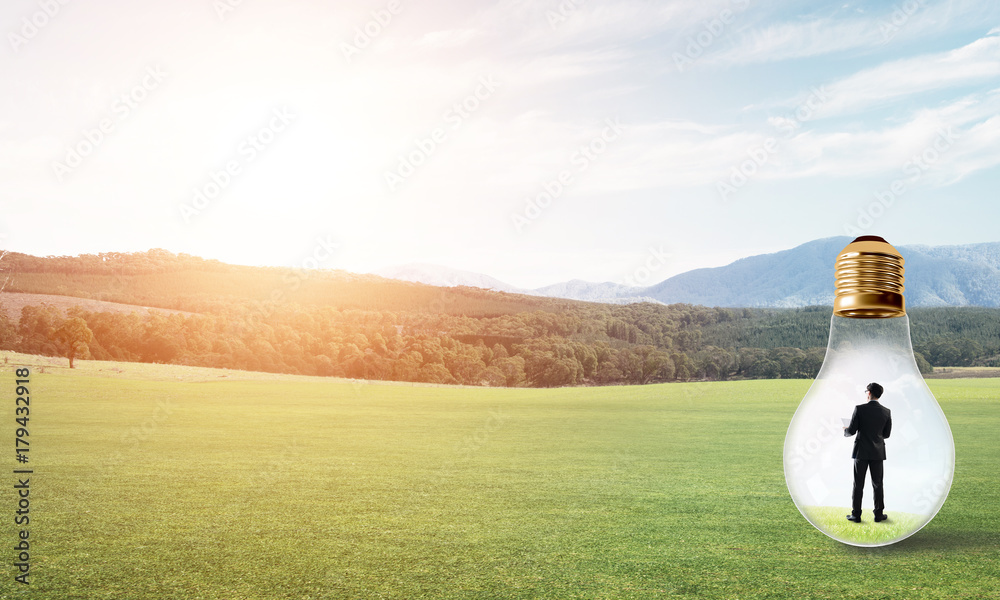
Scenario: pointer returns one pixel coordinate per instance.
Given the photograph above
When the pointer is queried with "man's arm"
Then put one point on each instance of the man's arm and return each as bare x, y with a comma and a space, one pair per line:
853, 427
887, 429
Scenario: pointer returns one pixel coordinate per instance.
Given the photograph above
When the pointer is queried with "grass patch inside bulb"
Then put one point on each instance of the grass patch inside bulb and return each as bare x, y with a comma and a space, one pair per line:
831, 521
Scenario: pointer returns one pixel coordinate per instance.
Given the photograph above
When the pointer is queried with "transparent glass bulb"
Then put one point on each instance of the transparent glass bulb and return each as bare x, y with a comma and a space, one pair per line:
920, 451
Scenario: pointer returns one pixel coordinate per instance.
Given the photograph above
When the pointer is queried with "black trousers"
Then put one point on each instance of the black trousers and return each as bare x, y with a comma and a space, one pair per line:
860, 466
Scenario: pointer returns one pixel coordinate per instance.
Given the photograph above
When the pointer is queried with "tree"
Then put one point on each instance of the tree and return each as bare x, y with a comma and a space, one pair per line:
922, 364
608, 372
324, 366
682, 366
36, 328
436, 373
160, 349
715, 363
560, 372
73, 335
407, 366
652, 363
352, 360
765, 369
512, 369
789, 361
493, 377
944, 353
9, 337
813, 362
465, 365
587, 358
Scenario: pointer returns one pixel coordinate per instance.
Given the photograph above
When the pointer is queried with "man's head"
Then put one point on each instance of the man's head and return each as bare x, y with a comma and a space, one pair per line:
875, 390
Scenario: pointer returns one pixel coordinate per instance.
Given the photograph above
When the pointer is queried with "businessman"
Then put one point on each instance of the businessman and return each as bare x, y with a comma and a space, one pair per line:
872, 423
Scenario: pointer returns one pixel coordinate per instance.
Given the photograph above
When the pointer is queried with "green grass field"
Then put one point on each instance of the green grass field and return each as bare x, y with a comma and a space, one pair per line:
268, 487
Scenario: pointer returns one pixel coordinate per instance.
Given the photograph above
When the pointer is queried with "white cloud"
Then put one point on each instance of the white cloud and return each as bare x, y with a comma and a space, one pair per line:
796, 40
531, 26
976, 150
819, 36
974, 63
968, 126
686, 154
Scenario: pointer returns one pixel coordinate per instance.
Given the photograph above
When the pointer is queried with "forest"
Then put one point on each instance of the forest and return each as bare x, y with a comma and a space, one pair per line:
337, 324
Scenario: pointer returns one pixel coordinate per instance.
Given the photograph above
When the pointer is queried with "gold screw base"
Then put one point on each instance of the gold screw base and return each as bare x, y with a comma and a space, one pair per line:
869, 274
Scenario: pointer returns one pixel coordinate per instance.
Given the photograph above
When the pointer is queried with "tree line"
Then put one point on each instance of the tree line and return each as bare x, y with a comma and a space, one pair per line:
336, 324
537, 349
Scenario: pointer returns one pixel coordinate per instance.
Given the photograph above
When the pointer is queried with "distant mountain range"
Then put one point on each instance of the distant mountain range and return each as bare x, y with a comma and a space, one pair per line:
447, 277
966, 275
576, 289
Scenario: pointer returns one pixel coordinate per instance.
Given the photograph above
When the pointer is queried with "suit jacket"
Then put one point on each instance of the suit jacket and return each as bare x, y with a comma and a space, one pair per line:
873, 423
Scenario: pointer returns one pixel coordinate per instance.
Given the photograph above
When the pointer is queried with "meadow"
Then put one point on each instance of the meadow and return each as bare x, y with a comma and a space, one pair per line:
164, 482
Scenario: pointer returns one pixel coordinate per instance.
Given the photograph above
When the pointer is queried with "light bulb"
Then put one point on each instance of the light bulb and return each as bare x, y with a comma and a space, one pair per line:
869, 342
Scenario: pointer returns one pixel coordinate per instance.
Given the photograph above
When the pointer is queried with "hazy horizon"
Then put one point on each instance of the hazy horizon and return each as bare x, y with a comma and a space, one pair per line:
306, 263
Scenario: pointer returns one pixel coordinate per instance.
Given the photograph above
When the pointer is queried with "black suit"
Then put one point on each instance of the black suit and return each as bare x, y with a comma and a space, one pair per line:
872, 422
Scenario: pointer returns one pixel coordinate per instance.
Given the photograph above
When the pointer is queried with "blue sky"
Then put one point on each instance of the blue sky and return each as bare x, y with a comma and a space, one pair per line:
532, 141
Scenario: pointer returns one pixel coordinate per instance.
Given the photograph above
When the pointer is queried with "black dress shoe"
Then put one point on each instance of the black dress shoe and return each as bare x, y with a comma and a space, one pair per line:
853, 519
880, 518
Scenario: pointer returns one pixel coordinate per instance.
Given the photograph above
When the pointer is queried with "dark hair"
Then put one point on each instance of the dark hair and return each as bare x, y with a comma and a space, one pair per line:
875, 389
